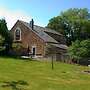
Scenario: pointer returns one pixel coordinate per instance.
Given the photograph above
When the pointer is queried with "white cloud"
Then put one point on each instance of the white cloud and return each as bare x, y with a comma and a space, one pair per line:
12, 16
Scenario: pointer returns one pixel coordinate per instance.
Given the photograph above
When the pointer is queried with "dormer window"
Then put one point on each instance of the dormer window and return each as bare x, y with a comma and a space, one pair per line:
17, 34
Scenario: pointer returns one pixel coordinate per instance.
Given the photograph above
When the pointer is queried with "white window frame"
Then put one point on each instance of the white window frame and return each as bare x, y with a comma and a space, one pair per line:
15, 34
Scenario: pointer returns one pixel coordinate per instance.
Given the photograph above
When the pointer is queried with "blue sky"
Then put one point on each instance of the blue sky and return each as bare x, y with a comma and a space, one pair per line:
40, 10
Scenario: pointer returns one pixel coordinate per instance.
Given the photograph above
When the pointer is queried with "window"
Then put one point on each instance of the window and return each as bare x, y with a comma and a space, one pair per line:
18, 34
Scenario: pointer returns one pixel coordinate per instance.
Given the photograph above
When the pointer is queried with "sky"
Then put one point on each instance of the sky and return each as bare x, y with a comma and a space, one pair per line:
40, 10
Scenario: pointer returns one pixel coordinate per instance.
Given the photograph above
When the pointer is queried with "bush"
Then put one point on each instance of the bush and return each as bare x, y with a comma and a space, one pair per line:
80, 50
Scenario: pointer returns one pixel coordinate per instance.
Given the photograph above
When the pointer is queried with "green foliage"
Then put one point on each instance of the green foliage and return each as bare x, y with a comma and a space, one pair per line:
5, 37
73, 23
1, 43
3, 28
56, 24
80, 50
17, 46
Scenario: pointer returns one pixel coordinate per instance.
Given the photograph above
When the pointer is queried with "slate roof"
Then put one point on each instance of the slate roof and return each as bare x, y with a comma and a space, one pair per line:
41, 32
60, 46
46, 29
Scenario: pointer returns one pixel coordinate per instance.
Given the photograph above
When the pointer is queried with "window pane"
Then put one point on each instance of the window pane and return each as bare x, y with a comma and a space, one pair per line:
17, 34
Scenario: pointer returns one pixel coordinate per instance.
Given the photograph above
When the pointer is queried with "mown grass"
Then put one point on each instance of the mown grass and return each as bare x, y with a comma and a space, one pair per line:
40, 76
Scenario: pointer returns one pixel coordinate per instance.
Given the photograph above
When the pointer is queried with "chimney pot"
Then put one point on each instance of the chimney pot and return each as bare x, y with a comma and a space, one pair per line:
32, 24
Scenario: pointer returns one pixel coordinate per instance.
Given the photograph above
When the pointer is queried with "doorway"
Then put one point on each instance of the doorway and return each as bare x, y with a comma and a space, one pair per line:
33, 50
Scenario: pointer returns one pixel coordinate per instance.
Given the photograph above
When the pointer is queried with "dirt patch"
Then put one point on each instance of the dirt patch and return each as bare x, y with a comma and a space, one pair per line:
88, 71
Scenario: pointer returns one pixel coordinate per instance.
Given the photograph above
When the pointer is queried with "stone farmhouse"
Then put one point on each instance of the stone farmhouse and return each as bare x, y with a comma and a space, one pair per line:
32, 40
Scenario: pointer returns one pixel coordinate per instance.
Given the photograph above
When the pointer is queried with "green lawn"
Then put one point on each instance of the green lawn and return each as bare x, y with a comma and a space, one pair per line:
40, 76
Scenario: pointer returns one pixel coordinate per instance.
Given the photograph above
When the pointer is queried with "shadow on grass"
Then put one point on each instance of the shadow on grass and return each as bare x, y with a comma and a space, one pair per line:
15, 85
17, 58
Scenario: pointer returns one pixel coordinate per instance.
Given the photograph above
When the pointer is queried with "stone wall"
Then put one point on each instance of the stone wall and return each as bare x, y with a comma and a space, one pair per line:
28, 38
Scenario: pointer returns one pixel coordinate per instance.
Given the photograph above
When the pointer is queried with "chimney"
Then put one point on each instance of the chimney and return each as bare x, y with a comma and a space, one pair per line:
32, 24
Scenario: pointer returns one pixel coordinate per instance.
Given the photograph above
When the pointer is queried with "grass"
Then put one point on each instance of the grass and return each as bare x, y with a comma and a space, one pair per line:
14, 73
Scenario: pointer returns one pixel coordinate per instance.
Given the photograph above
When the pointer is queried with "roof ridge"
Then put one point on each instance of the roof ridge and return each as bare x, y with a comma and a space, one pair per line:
45, 29
42, 34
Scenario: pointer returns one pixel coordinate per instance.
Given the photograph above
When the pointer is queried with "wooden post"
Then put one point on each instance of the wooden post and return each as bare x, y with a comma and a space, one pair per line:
52, 63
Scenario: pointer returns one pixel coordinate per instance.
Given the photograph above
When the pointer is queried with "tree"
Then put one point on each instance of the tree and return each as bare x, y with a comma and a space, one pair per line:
1, 43
73, 23
56, 23
6, 39
80, 50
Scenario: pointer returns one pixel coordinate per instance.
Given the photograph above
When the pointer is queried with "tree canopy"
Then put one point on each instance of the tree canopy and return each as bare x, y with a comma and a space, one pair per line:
5, 37
73, 23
